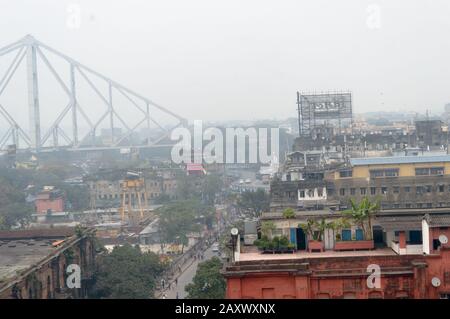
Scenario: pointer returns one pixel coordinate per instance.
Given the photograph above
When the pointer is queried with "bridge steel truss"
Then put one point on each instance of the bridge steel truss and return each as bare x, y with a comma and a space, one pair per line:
31, 49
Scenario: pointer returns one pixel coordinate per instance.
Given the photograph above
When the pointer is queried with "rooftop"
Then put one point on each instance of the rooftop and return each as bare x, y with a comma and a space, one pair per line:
20, 250
251, 253
19, 255
399, 160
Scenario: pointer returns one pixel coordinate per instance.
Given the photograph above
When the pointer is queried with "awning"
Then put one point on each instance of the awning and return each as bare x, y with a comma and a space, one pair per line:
400, 223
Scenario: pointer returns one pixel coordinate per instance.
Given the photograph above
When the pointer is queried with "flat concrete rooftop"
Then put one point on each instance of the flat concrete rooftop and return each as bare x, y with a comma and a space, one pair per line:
19, 255
251, 253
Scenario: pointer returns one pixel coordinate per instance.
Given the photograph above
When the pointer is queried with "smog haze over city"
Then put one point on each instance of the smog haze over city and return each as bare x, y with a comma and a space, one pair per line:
234, 59
213, 157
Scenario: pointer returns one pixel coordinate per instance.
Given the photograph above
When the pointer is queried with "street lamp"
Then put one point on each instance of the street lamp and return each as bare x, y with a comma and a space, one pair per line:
234, 236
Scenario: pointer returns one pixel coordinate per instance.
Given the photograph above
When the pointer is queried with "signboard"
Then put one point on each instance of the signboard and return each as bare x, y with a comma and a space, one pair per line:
326, 106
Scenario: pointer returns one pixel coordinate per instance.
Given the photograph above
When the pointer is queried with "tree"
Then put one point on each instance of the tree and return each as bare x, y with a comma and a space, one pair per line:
288, 213
126, 273
208, 282
316, 229
14, 210
254, 202
362, 215
178, 219
211, 185
267, 228
310, 229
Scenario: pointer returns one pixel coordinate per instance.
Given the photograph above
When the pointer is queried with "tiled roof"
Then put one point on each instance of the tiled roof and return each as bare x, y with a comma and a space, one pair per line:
439, 220
400, 223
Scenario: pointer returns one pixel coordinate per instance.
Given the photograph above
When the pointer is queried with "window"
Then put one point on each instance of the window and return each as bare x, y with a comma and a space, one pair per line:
320, 192
376, 173
422, 171
437, 171
384, 190
420, 190
345, 173
429, 171
407, 205
441, 188
396, 206
391, 172
396, 189
407, 189
342, 191
429, 188
346, 234
302, 194
363, 191
429, 205
373, 190
352, 191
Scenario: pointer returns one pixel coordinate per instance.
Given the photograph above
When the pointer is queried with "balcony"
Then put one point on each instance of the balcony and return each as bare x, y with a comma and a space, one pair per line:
410, 249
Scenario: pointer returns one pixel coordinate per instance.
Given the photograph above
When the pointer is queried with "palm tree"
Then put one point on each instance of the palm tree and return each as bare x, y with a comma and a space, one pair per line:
362, 215
267, 228
309, 228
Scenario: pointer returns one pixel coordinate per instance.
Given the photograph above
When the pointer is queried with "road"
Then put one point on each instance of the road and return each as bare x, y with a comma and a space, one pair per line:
187, 276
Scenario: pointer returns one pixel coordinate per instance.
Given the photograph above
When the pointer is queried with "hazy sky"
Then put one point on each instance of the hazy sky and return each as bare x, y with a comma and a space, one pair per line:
245, 59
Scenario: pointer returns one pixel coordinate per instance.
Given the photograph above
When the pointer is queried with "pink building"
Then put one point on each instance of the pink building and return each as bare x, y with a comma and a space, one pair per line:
49, 200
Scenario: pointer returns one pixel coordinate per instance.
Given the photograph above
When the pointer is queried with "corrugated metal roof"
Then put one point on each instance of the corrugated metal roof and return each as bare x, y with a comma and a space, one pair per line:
399, 160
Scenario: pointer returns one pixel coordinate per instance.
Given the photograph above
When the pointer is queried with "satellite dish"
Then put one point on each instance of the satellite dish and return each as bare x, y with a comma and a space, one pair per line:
443, 239
436, 282
234, 231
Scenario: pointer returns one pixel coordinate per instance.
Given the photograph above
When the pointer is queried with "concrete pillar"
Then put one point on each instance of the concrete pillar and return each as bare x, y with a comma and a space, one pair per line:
234, 288
402, 239
302, 287
420, 280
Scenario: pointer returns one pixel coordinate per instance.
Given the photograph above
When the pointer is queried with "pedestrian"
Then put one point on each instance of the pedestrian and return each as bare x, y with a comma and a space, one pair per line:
177, 295
176, 281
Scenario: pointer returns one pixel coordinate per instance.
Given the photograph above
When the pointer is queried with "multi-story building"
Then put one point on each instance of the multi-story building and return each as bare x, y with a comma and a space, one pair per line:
49, 200
408, 250
397, 182
106, 188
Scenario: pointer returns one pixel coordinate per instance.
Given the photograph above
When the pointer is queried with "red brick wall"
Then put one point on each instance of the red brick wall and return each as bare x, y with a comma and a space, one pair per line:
43, 205
409, 277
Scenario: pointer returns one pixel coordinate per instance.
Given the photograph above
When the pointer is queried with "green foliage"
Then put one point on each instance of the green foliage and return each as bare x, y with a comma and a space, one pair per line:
288, 213
254, 202
69, 255
179, 218
267, 227
277, 243
126, 273
208, 282
13, 207
316, 229
362, 215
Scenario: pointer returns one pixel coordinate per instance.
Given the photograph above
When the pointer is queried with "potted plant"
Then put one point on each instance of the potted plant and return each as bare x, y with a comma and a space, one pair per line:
361, 215
314, 232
